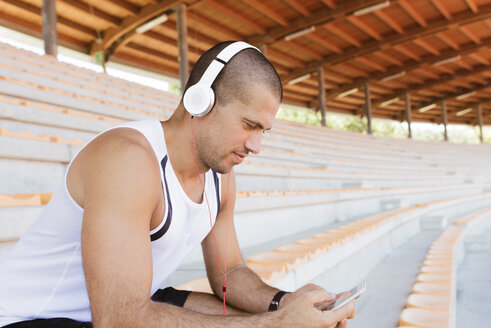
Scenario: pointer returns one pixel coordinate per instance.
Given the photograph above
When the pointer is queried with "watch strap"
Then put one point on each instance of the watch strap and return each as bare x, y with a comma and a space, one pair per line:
275, 303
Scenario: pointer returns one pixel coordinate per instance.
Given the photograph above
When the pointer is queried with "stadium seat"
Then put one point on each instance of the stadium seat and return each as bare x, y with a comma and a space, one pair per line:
424, 318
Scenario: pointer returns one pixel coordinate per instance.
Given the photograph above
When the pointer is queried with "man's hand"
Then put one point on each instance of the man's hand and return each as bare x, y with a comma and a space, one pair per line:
301, 312
330, 297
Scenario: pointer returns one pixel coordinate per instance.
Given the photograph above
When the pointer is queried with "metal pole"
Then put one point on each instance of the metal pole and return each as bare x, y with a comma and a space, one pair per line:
407, 98
182, 42
50, 34
444, 117
479, 119
368, 106
322, 95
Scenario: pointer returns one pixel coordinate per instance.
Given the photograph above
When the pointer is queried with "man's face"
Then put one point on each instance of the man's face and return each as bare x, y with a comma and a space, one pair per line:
229, 133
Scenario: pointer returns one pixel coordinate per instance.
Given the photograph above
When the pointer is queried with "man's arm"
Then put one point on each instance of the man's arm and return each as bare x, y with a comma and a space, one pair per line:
120, 195
121, 189
245, 290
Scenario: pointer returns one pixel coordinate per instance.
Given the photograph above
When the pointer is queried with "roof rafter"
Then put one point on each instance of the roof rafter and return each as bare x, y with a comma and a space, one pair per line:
441, 8
483, 86
130, 23
411, 11
219, 6
408, 67
392, 40
477, 69
321, 17
298, 6
97, 12
365, 27
267, 11
389, 21
472, 5
35, 10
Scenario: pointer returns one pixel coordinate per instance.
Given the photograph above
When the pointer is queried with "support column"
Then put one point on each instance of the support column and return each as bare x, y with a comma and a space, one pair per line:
182, 43
368, 106
479, 119
407, 99
264, 49
322, 95
50, 34
444, 119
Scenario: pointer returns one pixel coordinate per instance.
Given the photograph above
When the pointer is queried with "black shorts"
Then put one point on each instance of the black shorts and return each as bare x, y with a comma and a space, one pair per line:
168, 295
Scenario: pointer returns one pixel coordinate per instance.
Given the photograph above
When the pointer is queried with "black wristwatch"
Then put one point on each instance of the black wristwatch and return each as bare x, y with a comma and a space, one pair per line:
275, 303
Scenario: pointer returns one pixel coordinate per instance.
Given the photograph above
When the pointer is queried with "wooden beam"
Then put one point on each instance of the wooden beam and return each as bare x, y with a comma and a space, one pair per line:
408, 67
389, 21
441, 8
267, 11
404, 50
151, 51
471, 35
305, 49
17, 24
364, 27
97, 12
329, 3
368, 108
371, 63
182, 42
320, 17
389, 41
342, 34
472, 5
298, 6
324, 42
389, 58
322, 95
227, 11
129, 24
453, 95
427, 46
478, 69
60, 20
412, 12
129, 7
407, 103
479, 58
193, 15
448, 40
50, 33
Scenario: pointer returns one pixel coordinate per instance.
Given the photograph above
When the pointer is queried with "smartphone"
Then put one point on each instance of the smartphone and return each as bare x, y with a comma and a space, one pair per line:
343, 298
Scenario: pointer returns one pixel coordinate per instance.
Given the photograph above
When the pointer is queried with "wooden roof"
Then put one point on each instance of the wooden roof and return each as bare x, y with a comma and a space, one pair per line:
434, 49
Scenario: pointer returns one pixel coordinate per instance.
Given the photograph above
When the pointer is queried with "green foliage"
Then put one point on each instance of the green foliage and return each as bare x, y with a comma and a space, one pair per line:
175, 89
300, 116
387, 128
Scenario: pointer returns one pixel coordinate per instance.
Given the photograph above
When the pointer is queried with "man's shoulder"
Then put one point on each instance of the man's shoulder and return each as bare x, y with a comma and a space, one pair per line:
124, 151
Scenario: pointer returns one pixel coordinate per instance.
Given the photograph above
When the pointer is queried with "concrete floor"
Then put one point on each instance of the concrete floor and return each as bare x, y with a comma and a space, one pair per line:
474, 289
391, 282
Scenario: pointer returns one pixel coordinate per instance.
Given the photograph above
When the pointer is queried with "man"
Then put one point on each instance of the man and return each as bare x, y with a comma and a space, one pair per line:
88, 260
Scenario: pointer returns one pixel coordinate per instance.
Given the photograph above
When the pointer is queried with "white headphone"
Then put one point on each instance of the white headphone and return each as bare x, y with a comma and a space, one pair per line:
199, 99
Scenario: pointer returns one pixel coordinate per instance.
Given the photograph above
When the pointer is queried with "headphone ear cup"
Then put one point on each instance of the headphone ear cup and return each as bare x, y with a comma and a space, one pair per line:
199, 100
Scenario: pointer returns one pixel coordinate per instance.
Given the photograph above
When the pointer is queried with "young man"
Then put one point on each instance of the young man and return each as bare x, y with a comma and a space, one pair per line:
135, 202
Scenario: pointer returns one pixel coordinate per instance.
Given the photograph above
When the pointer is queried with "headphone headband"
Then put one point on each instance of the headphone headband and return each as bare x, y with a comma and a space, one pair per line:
221, 59
200, 98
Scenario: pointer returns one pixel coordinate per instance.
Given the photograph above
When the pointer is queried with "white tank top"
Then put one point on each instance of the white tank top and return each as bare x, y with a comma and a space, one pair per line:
42, 277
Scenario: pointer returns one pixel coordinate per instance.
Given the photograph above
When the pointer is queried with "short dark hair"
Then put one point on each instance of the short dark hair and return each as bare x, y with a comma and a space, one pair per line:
248, 66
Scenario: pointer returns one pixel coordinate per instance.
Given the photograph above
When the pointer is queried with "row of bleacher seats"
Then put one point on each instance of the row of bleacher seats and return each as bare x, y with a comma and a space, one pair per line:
353, 197
433, 301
